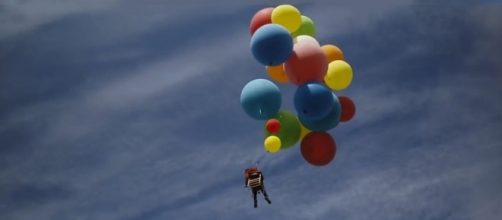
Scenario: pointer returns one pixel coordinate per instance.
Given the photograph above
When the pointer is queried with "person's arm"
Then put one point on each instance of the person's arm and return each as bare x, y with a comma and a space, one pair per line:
246, 181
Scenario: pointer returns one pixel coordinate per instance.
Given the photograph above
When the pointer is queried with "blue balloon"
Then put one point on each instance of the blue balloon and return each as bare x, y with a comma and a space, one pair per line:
271, 44
261, 99
328, 122
313, 101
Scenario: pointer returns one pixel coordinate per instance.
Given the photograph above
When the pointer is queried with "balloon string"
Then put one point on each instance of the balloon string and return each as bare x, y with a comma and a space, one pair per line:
262, 156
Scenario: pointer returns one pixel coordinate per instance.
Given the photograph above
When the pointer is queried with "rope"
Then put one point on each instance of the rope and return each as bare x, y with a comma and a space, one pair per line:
262, 156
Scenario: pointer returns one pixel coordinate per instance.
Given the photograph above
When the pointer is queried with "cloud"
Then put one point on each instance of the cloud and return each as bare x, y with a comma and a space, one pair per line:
154, 129
23, 16
334, 19
78, 129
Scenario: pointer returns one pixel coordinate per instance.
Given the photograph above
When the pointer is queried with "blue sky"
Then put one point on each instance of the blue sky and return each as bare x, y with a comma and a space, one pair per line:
122, 110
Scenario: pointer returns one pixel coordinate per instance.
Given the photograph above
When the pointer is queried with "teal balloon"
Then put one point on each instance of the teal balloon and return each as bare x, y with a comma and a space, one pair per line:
261, 99
313, 101
330, 121
271, 44
307, 27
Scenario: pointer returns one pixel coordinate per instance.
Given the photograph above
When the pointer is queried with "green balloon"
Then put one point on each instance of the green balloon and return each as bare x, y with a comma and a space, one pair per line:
290, 129
306, 28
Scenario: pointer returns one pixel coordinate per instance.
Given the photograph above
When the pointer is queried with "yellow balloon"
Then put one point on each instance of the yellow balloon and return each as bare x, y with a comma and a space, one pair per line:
339, 75
272, 144
304, 131
277, 73
287, 16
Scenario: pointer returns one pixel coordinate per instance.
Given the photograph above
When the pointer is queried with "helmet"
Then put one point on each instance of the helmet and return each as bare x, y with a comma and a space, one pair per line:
251, 170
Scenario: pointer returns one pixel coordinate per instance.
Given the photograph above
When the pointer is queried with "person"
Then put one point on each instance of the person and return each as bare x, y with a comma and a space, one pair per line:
254, 179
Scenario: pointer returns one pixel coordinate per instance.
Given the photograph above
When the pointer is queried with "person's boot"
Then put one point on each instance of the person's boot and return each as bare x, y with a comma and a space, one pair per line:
268, 200
255, 205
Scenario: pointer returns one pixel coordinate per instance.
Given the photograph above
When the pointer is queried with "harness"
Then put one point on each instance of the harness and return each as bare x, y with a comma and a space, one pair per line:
254, 180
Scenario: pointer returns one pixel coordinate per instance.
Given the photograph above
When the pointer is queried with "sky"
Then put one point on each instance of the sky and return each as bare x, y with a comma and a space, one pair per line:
129, 110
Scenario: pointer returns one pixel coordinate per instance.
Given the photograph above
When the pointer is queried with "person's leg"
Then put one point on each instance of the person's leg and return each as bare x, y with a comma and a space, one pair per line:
265, 194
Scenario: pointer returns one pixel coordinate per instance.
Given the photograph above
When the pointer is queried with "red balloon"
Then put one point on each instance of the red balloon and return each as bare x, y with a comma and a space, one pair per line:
348, 108
273, 125
318, 148
262, 17
307, 63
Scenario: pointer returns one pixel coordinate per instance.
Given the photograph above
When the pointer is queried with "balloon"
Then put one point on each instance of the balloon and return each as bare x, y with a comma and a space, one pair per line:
273, 125
303, 131
339, 75
290, 129
306, 27
287, 16
348, 108
307, 62
277, 73
328, 122
332, 52
272, 144
318, 148
306, 39
313, 101
261, 99
271, 44
262, 17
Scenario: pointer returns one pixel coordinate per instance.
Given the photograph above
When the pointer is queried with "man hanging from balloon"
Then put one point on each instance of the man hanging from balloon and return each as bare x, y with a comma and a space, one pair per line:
254, 179
283, 40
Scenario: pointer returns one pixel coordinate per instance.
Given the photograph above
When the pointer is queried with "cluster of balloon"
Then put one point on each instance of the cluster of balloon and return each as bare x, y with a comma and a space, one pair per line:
283, 40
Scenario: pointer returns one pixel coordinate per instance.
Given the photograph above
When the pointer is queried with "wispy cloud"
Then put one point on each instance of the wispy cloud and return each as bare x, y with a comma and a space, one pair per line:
155, 130
23, 16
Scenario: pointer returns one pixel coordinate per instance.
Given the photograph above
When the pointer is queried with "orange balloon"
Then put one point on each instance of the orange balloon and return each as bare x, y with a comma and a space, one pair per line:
332, 52
277, 73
